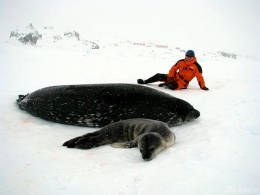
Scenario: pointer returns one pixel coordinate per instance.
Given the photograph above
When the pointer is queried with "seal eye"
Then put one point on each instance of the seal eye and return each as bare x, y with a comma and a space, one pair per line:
151, 149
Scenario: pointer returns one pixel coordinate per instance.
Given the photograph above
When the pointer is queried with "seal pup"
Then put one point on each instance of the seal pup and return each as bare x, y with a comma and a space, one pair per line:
96, 105
150, 136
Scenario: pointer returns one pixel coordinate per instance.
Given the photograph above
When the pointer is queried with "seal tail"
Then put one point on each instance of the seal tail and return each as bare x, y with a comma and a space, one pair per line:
20, 98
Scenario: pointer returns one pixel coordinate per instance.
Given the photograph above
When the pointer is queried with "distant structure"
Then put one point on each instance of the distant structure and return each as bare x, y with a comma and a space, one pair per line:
150, 45
162, 46
140, 44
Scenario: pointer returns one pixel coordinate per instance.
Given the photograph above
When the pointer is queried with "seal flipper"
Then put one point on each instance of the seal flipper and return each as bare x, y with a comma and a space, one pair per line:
131, 144
72, 142
87, 141
20, 98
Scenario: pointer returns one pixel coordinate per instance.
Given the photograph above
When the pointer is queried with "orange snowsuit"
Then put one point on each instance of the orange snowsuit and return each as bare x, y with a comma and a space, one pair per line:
184, 71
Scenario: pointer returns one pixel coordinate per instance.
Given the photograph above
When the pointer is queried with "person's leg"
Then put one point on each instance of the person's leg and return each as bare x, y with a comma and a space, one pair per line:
155, 78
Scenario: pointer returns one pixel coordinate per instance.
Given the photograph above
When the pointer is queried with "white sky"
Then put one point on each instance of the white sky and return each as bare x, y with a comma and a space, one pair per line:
226, 25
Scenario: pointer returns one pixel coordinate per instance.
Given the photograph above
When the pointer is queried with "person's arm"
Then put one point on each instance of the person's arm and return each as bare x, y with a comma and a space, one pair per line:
200, 78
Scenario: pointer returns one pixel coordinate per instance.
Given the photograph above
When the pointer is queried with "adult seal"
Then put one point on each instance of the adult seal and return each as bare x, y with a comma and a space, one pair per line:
150, 136
96, 105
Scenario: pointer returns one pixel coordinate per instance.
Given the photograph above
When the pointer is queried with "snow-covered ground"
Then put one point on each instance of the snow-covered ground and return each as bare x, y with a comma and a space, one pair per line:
216, 154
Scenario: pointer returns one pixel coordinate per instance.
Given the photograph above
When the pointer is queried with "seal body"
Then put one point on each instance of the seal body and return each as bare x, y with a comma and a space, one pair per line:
150, 136
96, 105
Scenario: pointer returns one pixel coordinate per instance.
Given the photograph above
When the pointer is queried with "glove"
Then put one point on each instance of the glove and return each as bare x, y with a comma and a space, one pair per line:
171, 85
205, 88
162, 84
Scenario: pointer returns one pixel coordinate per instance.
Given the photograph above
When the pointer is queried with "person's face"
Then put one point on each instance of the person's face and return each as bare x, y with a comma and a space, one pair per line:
189, 58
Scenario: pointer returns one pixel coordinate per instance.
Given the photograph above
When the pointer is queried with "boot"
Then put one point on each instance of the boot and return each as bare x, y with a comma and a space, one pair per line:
141, 81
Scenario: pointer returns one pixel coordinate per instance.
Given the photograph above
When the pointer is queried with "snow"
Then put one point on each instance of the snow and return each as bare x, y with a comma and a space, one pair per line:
214, 154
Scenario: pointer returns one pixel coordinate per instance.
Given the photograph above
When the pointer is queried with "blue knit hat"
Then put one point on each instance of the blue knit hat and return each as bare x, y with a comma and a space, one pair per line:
190, 53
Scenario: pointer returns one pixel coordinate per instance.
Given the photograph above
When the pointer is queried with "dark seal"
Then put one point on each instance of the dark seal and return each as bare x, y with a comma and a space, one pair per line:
150, 136
96, 105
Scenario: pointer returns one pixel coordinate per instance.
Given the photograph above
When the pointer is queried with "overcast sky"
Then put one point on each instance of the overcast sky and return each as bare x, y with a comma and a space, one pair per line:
227, 25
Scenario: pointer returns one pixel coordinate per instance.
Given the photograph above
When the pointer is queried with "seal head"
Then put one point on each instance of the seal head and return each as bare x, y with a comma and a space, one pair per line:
149, 145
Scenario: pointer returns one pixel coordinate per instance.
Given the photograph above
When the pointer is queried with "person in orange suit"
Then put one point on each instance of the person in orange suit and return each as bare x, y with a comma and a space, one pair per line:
180, 74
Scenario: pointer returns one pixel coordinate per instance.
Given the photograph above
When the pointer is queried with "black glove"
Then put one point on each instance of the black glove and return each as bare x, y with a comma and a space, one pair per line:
205, 88
169, 85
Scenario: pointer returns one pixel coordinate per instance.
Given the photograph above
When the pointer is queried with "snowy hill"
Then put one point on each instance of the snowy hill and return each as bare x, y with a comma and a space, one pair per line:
47, 36
50, 37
